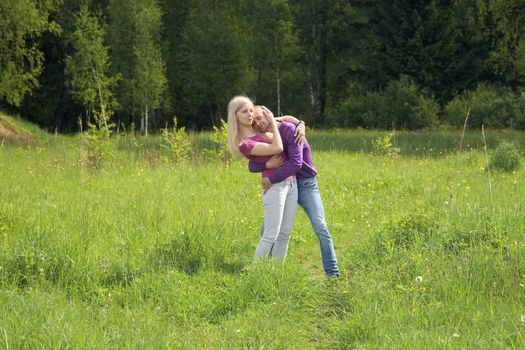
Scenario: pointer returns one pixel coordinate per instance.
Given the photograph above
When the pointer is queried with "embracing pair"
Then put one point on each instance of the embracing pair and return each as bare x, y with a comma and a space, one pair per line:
279, 150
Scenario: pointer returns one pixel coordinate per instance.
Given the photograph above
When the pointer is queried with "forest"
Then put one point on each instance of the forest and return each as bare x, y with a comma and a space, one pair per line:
126, 224
383, 64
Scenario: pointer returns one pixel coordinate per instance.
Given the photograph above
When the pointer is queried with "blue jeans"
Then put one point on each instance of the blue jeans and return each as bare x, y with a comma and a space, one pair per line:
310, 199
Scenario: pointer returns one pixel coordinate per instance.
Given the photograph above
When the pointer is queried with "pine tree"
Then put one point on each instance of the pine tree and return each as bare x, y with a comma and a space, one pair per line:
212, 60
274, 43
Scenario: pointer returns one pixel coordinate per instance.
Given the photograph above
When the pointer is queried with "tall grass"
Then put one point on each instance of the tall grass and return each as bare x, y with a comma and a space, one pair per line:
145, 254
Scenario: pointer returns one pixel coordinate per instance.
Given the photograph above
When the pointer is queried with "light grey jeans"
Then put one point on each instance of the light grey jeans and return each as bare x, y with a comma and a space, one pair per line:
280, 204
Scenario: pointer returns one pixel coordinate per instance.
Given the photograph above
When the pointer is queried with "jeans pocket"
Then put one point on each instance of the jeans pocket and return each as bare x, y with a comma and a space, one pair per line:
309, 182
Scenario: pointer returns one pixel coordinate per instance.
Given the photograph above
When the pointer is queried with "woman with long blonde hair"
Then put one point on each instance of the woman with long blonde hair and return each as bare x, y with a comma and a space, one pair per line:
280, 200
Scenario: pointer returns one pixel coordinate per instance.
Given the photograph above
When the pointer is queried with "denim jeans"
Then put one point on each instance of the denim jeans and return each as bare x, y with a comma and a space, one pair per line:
310, 199
280, 204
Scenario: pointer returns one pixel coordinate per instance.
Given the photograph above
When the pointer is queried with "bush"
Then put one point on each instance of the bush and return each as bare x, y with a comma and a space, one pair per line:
177, 142
491, 106
518, 120
402, 104
506, 157
97, 146
219, 138
383, 146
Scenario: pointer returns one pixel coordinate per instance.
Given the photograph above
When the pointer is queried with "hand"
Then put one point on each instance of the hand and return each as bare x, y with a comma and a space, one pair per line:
269, 115
266, 184
300, 134
275, 162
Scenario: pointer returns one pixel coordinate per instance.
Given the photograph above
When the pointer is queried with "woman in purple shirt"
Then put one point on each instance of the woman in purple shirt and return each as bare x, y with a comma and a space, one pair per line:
280, 200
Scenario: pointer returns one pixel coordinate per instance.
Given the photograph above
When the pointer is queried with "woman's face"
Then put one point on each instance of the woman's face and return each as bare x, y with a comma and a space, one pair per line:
245, 114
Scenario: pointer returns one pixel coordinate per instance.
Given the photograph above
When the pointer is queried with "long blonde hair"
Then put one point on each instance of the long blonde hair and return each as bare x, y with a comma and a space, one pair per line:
233, 128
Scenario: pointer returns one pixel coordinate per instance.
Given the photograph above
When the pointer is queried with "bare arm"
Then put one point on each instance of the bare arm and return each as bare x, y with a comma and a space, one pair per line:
289, 119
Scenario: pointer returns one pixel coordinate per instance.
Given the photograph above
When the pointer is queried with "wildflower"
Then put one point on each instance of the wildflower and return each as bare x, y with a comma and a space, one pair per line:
455, 335
522, 318
238, 331
419, 279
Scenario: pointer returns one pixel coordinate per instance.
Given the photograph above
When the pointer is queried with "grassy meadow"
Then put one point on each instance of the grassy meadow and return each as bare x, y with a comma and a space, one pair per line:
145, 254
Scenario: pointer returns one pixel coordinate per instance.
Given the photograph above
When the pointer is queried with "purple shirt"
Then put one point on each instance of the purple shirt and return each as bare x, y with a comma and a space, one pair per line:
246, 146
299, 162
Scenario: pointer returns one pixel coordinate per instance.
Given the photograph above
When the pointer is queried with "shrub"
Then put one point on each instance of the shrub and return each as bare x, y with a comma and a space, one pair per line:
402, 104
383, 146
489, 105
505, 157
177, 142
518, 120
98, 147
219, 138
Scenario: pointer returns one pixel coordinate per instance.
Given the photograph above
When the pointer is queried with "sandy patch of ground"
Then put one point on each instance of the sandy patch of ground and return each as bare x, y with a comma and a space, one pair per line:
7, 132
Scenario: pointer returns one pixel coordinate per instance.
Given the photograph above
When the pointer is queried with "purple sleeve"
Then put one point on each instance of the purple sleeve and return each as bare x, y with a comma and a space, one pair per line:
256, 167
246, 146
295, 157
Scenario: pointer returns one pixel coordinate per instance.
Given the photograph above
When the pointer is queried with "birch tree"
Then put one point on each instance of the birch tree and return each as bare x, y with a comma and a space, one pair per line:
88, 67
150, 70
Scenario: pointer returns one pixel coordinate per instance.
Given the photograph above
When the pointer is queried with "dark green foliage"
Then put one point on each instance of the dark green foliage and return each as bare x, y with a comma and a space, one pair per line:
400, 105
273, 50
375, 64
51, 105
494, 107
121, 29
21, 62
504, 25
211, 61
321, 25
419, 39
506, 157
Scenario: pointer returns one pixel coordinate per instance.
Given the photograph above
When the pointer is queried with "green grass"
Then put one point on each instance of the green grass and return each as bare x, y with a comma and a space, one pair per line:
144, 254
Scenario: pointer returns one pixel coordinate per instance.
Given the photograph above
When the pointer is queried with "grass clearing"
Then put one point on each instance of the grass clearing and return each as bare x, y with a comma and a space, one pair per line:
145, 254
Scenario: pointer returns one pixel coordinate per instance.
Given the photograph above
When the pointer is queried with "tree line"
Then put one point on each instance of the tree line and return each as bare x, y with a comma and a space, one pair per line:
345, 63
